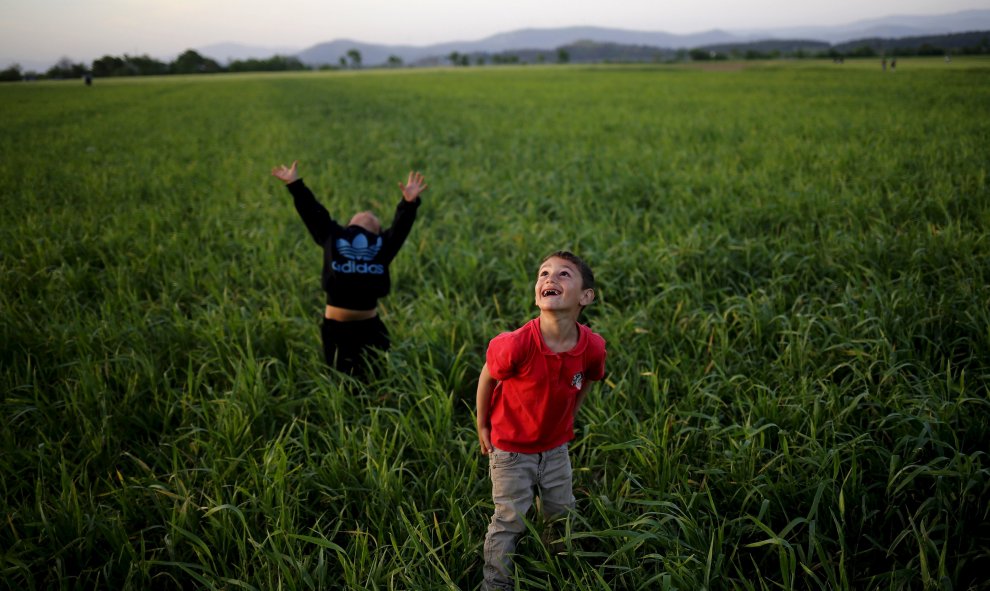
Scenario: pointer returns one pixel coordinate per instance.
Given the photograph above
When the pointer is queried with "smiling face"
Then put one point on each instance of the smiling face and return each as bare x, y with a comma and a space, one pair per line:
559, 286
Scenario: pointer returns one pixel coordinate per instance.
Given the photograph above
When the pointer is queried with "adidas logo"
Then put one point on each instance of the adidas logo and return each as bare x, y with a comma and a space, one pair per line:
359, 249
363, 268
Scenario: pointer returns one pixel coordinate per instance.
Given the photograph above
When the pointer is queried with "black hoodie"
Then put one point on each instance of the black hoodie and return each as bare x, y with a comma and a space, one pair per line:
355, 261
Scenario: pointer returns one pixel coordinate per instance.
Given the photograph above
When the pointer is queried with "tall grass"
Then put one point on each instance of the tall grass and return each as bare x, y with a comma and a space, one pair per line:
793, 268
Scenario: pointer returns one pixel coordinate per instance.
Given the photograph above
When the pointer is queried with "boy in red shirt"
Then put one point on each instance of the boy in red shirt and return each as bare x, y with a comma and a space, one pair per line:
531, 387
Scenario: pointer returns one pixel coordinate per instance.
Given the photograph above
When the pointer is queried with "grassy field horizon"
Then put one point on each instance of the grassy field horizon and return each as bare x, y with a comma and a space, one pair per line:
793, 263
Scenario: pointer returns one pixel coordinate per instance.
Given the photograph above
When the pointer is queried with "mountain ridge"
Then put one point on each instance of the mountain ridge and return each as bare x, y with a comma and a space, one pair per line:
548, 39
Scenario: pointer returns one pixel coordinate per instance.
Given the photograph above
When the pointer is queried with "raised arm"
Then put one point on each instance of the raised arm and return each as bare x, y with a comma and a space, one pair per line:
286, 174
405, 215
316, 217
486, 385
414, 186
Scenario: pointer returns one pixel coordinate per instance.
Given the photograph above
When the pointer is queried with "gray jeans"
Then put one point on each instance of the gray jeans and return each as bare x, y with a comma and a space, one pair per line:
516, 479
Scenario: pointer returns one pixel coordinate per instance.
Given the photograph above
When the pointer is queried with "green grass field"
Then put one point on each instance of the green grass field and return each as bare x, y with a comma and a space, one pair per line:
793, 262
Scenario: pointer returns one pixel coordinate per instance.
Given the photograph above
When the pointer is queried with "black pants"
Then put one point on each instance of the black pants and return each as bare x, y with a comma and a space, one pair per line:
349, 346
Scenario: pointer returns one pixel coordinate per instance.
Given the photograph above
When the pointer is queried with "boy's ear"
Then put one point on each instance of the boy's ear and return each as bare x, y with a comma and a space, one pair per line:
587, 296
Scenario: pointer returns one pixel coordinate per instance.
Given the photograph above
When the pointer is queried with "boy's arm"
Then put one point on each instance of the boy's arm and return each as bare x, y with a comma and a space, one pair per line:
316, 217
313, 214
585, 387
405, 215
595, 371
413, 187
486, 385
286, 174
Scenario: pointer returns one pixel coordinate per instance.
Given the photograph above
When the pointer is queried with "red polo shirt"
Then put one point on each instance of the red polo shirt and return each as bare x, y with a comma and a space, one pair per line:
532, 407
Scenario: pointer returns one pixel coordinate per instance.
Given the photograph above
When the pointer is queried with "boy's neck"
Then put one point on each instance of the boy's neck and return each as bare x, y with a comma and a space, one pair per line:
560, 330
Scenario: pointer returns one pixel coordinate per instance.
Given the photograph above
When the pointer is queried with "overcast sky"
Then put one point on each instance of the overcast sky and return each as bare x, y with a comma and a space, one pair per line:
34, 31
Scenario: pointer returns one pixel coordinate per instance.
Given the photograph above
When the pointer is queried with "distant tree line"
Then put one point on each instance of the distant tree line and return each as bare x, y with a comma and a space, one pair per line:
977, 43
189, 62
974, 43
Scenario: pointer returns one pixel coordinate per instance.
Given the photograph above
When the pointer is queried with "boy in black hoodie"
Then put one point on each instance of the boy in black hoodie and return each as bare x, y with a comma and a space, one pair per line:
355, 267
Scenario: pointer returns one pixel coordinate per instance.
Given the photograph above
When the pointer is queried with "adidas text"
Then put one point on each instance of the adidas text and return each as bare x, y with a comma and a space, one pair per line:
352, 267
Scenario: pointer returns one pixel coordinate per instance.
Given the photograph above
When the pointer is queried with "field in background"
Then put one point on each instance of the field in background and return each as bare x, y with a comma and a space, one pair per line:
793, 262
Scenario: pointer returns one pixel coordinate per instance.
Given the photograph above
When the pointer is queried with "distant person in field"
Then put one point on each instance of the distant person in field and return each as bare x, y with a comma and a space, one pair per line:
531, 386
355, 276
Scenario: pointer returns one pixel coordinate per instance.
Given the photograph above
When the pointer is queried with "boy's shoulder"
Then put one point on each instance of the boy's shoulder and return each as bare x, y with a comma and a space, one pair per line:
528, 337
508, 351
593, 338
589, 342
522, 335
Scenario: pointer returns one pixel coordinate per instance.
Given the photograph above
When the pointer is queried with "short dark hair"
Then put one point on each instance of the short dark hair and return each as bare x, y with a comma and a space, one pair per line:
587, 276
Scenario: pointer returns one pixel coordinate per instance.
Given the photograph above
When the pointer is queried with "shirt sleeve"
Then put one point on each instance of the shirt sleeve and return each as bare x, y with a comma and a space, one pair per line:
595, 370
503, 356
316, 217
396, 234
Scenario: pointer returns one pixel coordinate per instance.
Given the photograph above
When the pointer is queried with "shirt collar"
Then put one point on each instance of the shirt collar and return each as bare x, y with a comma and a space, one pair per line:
577, 349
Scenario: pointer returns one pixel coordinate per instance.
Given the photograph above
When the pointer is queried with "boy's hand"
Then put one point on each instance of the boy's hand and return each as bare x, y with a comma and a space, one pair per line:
485, 438
413, 187
286, 174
